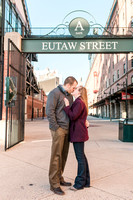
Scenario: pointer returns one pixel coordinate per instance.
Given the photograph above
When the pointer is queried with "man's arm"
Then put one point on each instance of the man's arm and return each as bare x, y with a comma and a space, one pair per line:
50, 111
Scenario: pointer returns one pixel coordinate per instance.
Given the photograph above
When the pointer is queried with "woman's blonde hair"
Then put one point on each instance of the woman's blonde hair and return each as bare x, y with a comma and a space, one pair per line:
83, 95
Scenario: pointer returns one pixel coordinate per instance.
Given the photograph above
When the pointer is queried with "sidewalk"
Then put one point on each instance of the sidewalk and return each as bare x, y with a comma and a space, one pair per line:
24, 168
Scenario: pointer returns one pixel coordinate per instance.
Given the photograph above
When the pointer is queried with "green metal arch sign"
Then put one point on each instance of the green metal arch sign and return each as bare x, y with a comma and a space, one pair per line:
99, 44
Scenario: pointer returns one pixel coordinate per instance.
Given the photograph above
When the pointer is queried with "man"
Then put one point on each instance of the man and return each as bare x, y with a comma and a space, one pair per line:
59, 127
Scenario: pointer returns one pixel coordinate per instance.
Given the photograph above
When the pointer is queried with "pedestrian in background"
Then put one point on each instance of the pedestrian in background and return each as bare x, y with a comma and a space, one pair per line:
79, 134
59, 127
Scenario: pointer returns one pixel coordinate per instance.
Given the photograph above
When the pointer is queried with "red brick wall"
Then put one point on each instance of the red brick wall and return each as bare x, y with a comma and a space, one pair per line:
37, 105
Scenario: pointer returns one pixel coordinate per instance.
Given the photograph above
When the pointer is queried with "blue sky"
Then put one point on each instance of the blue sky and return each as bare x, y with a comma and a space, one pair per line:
51, 13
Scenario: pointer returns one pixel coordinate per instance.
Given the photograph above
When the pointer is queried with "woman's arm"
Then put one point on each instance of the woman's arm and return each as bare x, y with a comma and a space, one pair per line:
74, 113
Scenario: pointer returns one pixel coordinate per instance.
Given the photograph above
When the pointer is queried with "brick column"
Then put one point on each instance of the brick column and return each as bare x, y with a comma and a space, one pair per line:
122, 109
117, 110
97, 111
100, 111
104, 111
130, 109
108, 110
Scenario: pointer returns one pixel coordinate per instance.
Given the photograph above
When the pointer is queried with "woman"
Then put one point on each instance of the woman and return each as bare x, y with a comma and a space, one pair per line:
79, 134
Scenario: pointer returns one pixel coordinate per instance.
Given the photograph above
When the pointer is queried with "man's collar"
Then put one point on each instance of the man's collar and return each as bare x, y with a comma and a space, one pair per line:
63, 90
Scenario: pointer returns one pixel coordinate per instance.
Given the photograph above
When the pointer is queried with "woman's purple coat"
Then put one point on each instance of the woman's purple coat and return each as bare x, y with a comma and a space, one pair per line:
78, 115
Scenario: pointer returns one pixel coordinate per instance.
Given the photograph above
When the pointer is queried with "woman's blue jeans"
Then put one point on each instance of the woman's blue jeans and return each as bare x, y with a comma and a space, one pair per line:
83, 175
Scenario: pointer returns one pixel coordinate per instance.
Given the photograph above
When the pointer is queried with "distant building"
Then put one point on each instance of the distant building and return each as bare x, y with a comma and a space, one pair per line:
106, 82
48, 79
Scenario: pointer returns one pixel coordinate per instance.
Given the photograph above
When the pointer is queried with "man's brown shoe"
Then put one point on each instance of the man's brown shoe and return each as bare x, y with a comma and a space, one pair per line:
64, 183
57, 190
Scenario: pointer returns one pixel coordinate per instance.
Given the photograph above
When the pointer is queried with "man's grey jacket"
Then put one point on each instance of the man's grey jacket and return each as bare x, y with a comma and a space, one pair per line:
55, 108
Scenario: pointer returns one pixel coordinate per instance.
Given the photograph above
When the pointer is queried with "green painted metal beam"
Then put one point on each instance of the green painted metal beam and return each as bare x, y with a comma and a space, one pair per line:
72, 45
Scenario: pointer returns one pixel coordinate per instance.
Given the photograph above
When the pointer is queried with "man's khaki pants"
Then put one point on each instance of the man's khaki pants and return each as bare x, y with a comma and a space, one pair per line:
59, 152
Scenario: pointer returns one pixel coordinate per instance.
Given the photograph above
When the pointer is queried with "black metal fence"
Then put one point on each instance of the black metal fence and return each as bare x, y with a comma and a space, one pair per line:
15, 110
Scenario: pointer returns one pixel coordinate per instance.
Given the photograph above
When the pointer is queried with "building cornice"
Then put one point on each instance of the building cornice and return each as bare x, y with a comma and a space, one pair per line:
111, 13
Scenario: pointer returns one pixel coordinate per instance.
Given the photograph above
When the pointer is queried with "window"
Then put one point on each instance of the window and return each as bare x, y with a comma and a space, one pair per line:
117, 28
117, 58
109, 81
12, 20
16, 24
113, 64
118, 74
132, 80
113, 78
109, 69
10, 15
6, 16
132, 62
19, 27
110, 29
132, 22
124, 68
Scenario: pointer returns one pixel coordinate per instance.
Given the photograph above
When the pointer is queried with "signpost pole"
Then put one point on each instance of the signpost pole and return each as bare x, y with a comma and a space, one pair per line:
126, 87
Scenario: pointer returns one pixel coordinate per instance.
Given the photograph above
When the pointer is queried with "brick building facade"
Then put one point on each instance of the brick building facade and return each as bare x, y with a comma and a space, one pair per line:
36, 105
15, 24
112, 74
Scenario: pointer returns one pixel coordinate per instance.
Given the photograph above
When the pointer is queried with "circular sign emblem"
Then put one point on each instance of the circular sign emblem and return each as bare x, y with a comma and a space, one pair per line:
79, 27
